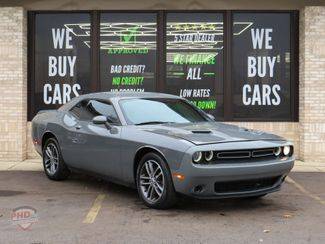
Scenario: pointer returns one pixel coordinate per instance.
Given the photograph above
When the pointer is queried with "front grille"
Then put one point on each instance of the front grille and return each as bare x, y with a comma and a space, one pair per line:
244, 154
233, 154
245, 185
263, 152
253, 155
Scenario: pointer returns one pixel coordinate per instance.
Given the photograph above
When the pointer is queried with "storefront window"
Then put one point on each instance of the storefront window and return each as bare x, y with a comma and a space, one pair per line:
195, 59
61, 67
235, 65
128, 52
261, 70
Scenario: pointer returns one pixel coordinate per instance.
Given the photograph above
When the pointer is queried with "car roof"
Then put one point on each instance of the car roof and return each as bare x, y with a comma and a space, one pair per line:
116, 96
119, 95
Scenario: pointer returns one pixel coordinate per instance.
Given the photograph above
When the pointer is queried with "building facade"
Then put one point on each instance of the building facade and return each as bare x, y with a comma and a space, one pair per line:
255, 64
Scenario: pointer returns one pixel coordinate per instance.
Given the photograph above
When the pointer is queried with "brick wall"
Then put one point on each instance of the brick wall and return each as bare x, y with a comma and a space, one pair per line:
13, 83
312, 84
308, 135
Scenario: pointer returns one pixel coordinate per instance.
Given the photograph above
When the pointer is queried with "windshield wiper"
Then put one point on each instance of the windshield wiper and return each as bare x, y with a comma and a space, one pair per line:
153, 123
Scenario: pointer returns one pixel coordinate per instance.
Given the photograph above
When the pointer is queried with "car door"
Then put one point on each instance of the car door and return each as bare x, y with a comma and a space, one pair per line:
94, 147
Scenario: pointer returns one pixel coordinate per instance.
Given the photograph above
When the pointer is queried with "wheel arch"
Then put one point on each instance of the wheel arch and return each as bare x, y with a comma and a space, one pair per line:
139, 155
46, 136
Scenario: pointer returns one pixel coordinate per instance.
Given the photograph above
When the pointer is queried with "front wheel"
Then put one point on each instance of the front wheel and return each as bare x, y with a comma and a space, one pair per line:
154, 182
53, 163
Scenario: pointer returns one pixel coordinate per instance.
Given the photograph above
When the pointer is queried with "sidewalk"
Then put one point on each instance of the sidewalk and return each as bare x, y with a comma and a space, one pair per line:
36, 165
301, 166
27, 165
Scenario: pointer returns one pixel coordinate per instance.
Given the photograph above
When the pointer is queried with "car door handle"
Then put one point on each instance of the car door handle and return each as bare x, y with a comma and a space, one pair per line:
78, 127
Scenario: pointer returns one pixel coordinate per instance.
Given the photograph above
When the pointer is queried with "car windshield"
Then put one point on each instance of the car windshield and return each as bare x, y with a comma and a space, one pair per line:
141, 111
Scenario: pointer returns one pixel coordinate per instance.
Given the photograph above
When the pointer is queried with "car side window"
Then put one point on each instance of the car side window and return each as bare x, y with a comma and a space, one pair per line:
86, 110
103, 108
81, 112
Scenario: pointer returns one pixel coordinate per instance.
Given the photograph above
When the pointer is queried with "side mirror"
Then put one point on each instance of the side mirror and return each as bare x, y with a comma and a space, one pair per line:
99, 120
211, 116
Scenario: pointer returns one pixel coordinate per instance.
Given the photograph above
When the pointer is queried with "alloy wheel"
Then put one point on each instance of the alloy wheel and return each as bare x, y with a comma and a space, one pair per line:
51, 158
152, 181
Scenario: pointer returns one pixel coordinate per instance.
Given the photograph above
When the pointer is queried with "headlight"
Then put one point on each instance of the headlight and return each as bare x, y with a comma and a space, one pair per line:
277, 151
208, 155
197, 156
286, 150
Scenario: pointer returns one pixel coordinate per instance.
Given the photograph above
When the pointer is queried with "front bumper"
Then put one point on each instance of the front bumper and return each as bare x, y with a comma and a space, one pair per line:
205, 181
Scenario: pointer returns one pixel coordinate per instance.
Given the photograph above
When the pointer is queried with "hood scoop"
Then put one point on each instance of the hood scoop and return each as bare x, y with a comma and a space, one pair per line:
201, 131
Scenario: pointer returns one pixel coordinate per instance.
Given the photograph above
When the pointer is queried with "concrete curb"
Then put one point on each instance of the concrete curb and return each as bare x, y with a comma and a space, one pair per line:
27, 165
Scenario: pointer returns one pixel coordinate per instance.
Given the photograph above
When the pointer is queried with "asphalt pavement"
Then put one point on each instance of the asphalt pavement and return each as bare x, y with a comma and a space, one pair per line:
85, 209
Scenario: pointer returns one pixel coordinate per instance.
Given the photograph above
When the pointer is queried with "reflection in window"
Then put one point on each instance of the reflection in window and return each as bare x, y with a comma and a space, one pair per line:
87, 110
102, 108
142, 111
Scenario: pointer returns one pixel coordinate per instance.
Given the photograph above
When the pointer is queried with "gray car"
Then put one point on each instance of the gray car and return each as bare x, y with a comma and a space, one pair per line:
162, 145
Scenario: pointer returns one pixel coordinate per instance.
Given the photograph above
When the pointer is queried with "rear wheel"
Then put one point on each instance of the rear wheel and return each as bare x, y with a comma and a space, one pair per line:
154, 182
54, 166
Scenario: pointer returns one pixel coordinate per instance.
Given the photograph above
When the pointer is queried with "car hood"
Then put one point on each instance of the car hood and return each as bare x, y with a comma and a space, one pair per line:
209, 132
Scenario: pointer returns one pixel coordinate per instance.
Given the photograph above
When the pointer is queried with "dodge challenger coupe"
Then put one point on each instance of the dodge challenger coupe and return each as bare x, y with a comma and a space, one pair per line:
162, 145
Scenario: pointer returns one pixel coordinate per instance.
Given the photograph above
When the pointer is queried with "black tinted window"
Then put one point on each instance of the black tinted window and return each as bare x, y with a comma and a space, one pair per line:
194, 59
128, 51
61, 59
88, 109
261, 71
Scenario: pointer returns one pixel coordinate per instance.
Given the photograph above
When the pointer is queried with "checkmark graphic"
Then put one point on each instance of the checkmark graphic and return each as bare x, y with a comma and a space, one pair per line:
129, 35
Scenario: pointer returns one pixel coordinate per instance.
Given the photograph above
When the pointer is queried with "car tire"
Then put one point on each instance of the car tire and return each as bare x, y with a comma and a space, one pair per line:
54, 166
156, 191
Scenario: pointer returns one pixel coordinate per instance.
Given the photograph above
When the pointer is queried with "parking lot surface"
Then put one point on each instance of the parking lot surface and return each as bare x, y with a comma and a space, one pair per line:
85, 209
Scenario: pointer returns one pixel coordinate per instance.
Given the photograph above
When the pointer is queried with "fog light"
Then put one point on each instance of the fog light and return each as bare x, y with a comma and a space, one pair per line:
277, 151
197, 156
198, 189
286, 150
208, 155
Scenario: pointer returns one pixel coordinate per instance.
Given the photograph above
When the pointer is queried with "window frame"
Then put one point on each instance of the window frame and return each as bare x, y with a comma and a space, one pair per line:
161, 56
